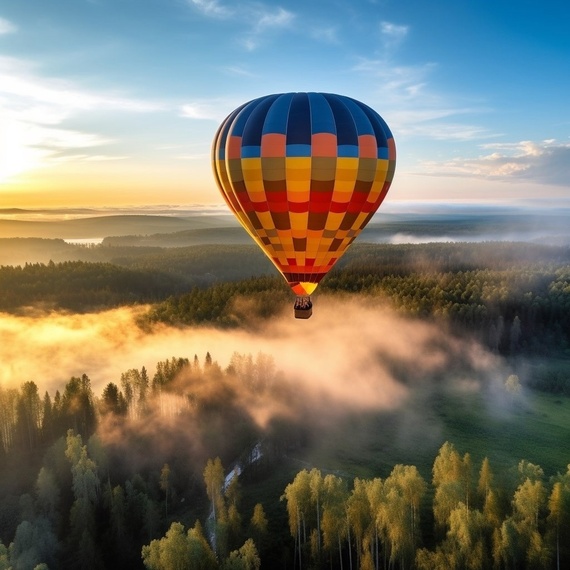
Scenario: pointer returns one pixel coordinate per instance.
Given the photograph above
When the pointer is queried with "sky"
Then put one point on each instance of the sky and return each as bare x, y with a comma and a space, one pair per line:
116, 102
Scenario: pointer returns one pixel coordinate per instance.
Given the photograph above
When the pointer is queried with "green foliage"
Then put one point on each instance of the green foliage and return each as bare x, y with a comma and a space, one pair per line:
178, 550
80, 286
214, 481
513, 297
89, 507
224, 304
246, 558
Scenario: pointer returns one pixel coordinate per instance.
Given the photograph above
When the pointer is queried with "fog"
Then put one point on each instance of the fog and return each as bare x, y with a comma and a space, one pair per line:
353, 361
347, 351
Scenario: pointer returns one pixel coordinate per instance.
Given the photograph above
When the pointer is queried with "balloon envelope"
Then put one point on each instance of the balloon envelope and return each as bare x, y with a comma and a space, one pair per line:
304, 173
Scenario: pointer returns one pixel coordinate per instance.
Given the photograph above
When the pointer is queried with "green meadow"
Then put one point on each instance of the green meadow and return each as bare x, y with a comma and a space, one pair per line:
534, 427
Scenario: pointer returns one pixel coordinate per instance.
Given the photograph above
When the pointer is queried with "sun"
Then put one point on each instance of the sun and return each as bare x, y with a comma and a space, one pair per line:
17, 153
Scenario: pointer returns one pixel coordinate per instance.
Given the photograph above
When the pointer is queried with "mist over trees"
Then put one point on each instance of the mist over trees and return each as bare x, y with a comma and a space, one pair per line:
197, 466
164, 470
513, 298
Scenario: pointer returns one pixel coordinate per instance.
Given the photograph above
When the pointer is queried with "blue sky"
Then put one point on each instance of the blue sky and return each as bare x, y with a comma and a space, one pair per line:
116, 102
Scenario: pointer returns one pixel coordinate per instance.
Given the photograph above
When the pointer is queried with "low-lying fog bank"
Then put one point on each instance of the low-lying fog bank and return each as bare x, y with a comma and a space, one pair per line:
346, 348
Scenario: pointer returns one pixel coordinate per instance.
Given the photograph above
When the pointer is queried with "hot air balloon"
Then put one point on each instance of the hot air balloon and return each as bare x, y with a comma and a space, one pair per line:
304, 173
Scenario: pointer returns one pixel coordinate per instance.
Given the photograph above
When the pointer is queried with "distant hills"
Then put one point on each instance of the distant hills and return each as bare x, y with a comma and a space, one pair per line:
31, 236
104, 226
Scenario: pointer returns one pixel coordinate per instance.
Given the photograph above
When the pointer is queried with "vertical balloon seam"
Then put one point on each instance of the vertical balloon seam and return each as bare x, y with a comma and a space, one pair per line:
256, 210
286, 99
231, 191
295, 152
306, 275
344, 245
322, 267
250, 129
340, 252
363, 109
278, 217
343, 149
380, 126
218, 165
313, 276
336, 255
243, 216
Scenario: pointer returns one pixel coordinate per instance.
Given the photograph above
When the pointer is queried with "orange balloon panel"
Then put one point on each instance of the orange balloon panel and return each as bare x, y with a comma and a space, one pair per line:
304, 173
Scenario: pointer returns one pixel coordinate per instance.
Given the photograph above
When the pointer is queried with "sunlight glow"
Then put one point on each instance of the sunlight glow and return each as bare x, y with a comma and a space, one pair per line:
16, 154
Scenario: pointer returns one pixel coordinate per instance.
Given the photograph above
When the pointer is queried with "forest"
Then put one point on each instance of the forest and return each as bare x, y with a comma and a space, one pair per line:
169, 470
513, 297
174, 469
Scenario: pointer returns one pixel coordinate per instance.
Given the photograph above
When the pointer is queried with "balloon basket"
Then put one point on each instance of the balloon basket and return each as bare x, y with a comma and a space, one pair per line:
303, 307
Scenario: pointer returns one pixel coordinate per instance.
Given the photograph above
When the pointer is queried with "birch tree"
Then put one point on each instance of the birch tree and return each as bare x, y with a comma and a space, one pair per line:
558, 514
334, 519
452, 482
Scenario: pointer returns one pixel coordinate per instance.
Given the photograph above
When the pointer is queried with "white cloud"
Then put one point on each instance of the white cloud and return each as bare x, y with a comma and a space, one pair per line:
6, 27
547, 162
399, 83
26, 145
89, 158
212, 8
200, 110
250, 43
210, 109
33, 108
392, 34
69, 139
428, 124
240, 71
327, 35
264, 22
280, 18
16, 80
199, 157
255, 14
256, 20
415, 108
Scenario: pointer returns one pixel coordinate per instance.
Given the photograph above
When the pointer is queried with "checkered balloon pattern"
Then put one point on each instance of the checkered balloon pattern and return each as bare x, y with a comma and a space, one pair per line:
304, 173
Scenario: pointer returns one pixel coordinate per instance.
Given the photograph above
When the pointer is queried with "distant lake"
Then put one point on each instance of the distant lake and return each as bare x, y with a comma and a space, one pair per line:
84, 241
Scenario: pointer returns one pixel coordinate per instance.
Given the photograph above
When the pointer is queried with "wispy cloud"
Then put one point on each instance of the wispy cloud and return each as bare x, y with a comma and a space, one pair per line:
264, 22
416, 109
328, 34
201, 110
279, 18
213, 109
200, 157
26, 145
547, 162
19, 79
6, 27
392, 34
435, 124
212, 8
399, 84
256, 19
86, 158
33, 109
239, 71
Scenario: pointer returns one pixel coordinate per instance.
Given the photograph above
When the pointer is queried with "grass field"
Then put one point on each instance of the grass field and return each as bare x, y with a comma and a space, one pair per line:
536, 427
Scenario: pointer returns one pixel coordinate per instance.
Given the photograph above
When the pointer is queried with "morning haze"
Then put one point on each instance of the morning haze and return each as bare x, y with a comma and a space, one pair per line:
157, 360
161, 406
